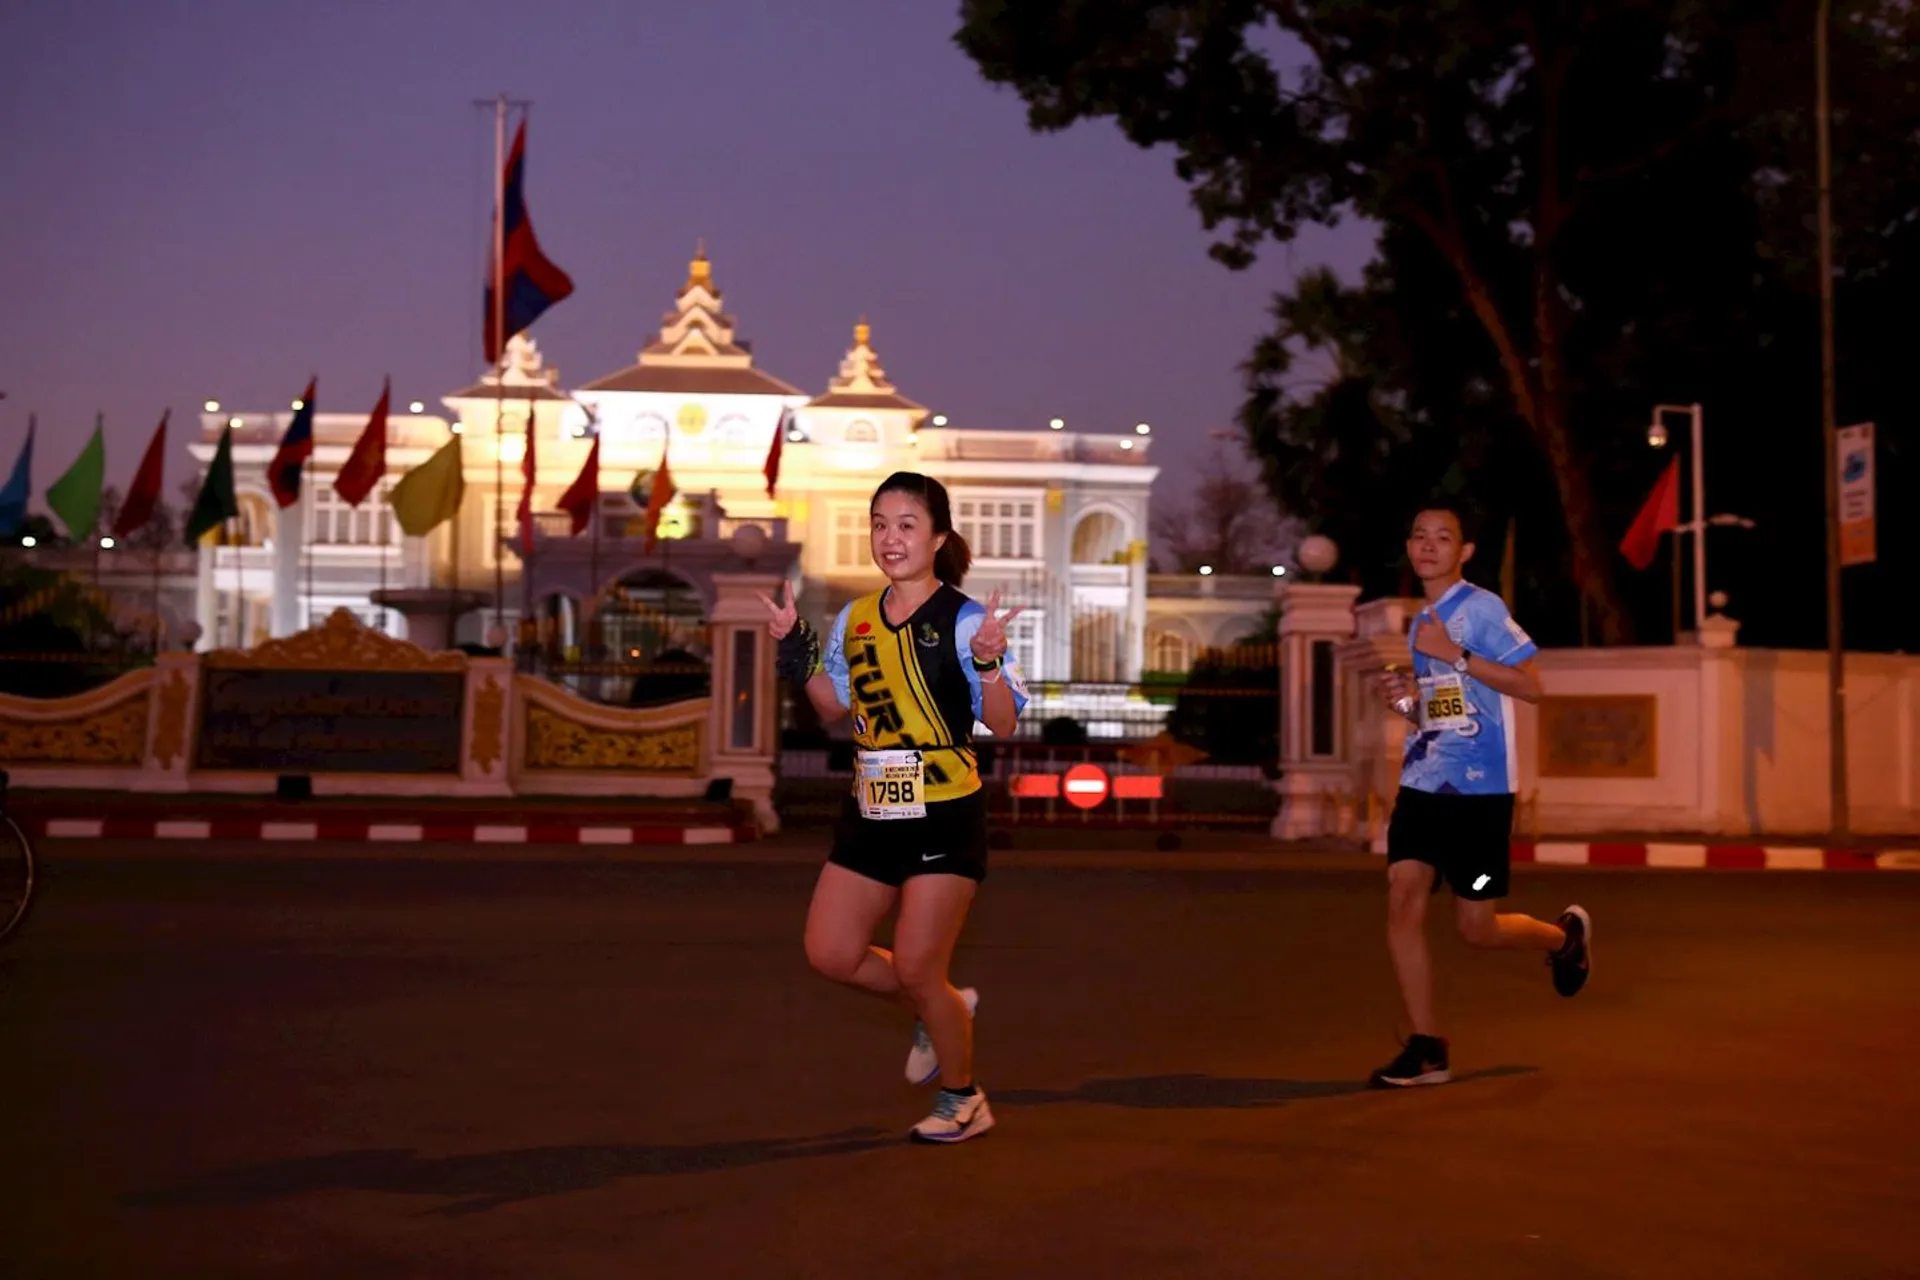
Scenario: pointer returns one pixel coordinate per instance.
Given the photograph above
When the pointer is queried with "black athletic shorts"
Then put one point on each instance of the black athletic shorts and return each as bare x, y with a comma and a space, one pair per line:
1467, 840
951, 840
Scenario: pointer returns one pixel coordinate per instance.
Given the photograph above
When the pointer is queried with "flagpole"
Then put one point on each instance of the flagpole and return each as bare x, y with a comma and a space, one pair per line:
226, 537
593, 570
383, 525
531, 469
307, 530
500, 359
156, 596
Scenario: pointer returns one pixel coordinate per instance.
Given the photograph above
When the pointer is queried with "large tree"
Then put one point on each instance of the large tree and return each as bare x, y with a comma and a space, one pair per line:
1506, 137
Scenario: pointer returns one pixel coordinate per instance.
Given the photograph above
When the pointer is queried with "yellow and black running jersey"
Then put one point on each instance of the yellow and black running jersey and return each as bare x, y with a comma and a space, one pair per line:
913, 685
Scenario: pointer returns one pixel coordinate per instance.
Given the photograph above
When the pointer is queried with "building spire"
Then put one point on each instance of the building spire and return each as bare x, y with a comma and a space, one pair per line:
697, 329
860, 371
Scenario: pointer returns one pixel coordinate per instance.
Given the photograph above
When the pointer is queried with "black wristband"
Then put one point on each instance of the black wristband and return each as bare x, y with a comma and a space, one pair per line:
984, 667
798, 655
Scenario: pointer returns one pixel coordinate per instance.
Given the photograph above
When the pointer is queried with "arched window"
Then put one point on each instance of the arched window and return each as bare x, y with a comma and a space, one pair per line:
1168, 650
862, 432
1099, 538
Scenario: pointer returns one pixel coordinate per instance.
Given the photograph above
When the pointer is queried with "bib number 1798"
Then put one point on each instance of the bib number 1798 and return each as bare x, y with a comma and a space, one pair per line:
890, 791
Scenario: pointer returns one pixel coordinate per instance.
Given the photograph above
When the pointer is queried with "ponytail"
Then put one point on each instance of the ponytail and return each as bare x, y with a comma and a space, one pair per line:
953, 559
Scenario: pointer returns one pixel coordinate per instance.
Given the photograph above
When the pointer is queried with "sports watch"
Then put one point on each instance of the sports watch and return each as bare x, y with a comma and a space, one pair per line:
1460, 663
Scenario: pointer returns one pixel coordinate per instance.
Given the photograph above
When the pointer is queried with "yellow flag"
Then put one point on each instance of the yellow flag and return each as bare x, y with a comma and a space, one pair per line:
429, 495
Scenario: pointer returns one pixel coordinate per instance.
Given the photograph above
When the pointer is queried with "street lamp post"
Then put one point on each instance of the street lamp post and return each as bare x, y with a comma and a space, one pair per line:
1696, 524
1829, 431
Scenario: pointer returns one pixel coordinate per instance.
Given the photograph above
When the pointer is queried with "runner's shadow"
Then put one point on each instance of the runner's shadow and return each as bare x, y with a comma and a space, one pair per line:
486, 1180
1203, 1093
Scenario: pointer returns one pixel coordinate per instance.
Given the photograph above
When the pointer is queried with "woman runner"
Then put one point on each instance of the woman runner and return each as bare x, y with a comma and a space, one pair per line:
916, 663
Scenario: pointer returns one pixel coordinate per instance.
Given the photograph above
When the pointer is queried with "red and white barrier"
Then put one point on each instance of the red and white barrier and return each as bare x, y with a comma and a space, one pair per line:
1714, 857
347, 830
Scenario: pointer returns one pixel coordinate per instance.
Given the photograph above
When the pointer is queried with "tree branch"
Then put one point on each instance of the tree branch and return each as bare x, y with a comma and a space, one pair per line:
1592, 175
1449, 238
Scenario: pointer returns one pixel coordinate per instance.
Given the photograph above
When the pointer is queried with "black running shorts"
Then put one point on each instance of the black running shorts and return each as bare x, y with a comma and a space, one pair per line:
1467, 840
951, 841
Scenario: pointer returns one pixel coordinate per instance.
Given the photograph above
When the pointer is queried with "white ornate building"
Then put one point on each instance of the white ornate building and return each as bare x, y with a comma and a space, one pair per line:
1057, 519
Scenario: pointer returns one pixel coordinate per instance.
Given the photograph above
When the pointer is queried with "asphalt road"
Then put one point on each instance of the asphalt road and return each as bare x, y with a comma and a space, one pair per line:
558, 1069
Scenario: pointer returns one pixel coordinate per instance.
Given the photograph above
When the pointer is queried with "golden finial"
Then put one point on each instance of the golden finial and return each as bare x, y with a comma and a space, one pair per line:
862, 333
700, 271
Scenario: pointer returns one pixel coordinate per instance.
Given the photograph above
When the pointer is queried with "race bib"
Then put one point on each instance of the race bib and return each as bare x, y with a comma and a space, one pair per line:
890, 784
1443, 703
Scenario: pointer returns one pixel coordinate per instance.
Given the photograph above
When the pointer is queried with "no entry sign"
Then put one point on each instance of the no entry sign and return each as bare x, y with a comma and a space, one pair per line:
1085, 785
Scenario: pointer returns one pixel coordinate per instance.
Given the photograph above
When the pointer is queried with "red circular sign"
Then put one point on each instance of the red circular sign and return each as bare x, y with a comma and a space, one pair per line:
1085, 785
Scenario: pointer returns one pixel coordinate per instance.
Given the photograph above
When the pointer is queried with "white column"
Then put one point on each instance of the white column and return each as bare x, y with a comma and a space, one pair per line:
206, 599
744, 726
289, 535
1309, 612
1133, 657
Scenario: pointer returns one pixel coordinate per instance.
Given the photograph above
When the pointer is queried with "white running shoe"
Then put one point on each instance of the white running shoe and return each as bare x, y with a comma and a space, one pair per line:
955, 1118
923, 1064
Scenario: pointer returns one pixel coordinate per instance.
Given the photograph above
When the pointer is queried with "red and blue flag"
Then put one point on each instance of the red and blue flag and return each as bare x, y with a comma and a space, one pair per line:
283, 473
532, 282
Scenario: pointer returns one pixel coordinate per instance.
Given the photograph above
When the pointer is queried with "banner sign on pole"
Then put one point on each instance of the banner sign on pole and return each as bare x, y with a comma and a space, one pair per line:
1856, 494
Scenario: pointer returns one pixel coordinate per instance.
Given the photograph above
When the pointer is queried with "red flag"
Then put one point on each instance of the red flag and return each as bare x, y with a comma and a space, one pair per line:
528, 470
1660, 515
772, 469
145, 493
580, 496
658, 499
368, 462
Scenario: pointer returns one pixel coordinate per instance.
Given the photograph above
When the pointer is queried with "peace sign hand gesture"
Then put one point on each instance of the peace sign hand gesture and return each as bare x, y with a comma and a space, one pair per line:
781, 617
990, 641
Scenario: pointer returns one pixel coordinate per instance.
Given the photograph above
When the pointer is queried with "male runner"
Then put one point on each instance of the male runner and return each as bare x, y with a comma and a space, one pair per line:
1453, 818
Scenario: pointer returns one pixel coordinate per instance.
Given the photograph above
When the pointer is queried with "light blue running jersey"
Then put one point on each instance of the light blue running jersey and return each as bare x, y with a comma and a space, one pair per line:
1464, 743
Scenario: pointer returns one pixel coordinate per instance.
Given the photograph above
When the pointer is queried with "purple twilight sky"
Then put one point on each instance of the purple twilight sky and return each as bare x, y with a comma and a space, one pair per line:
214, 198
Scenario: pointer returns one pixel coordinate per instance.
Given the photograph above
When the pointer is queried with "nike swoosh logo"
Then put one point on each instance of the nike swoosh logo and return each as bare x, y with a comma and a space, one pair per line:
931, 857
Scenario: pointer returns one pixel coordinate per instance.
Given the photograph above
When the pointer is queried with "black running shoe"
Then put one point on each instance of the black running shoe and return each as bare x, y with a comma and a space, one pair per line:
1573, 962
1423, 1061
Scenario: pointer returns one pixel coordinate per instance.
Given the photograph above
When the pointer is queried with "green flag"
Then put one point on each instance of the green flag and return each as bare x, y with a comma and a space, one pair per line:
216, 502
75, 496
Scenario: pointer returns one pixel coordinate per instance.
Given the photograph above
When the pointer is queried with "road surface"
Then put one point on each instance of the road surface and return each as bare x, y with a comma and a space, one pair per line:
408, 1068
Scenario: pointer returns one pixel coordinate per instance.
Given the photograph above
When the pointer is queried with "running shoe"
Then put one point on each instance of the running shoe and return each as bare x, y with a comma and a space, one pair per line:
955, 1118
1422, 1061
1573, 962
923, 1064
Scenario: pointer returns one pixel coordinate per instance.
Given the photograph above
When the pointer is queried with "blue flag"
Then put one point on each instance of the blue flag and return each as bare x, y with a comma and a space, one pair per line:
13, 495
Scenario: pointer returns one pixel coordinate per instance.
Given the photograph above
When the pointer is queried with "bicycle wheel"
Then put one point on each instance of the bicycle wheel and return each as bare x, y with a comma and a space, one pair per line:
16, 876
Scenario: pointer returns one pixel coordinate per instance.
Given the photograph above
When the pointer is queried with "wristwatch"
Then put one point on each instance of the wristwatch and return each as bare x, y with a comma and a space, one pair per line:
1460, 663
